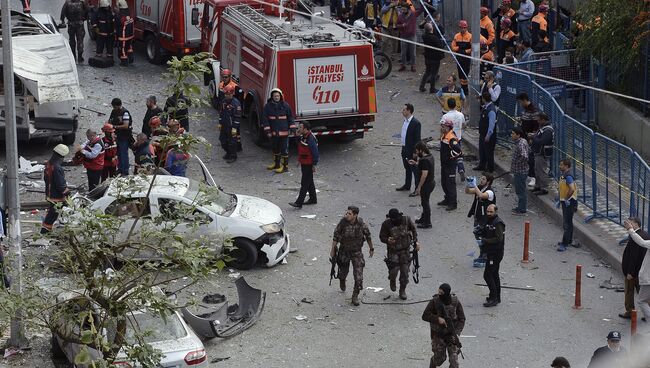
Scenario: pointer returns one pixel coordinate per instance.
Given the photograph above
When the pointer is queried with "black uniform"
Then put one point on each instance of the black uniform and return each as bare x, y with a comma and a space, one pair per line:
604, 357
146, 129
177, 106
124, 31
229, 120
431, 60
56, 189
486, 149
104, 26
493, 242
76, 11
449, 153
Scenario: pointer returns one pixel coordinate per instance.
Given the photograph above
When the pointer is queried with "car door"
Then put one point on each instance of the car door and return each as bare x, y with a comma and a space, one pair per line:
207, 177
188, 219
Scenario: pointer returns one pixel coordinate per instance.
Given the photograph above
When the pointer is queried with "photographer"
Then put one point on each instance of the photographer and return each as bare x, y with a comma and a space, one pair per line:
493, 240
483, 197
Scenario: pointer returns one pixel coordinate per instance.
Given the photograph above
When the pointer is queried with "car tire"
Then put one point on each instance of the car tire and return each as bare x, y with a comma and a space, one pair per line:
244, 254
259, 137
57, 352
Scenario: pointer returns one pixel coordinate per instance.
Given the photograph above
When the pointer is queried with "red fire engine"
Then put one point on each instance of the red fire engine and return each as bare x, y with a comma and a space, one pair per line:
325, 72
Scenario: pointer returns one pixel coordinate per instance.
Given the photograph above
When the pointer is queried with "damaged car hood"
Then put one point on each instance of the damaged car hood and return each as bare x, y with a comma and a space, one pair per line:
46, 65
257, 209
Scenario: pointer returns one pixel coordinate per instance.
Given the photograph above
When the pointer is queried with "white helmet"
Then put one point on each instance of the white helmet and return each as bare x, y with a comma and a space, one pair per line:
122, 4
359, 23
62, 150
104, 3
276, 89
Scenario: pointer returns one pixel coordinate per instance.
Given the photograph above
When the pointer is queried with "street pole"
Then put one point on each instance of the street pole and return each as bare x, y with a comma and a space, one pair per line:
17, 336
475, 77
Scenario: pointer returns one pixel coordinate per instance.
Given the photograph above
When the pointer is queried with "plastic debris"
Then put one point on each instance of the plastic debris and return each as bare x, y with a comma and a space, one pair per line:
11, 352
26, 167
300, 317
234, 275
591, 275
374, 289
308, 216
307, 300
315, 259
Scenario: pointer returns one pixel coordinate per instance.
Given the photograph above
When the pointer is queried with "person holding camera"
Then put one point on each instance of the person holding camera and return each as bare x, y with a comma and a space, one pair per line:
483, 197
542, 148
493, 240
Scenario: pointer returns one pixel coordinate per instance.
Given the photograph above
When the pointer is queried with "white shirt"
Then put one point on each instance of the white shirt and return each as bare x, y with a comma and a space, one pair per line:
405, 128
458, 118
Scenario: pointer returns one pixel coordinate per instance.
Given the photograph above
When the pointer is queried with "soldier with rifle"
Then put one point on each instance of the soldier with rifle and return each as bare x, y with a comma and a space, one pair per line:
350, 233
447, 319
399, 234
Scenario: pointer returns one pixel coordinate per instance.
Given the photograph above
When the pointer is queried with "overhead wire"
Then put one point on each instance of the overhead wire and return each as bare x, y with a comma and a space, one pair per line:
456, 54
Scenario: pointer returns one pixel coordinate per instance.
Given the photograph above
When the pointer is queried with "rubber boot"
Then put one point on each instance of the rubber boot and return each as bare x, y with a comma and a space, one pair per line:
284, 167
402, 292
393, 285
275, 164
342, 284
355, 297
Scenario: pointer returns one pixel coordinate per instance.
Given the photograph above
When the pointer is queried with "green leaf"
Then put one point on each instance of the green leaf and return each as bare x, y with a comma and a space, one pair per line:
86, 337
83, 357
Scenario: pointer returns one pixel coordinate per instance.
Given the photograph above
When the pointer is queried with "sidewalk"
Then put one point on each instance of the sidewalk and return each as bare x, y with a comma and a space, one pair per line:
600, 235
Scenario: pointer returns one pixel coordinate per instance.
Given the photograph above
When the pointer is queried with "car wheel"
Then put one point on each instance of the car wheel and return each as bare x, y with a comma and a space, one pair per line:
57, 352
244, 254
259, 137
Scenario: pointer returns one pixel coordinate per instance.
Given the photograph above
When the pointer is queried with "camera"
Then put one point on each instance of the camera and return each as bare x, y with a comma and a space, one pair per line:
471, 181
479, 231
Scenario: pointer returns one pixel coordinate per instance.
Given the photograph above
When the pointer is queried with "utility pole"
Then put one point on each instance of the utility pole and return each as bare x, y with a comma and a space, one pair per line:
17, 337
475, 77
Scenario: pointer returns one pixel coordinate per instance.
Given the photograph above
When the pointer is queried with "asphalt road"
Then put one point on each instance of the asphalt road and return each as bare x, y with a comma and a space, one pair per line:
528, 329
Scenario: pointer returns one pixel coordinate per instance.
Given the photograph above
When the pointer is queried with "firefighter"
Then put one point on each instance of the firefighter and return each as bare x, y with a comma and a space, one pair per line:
538, 24
124, 32
104, 28
76, 12
229, 121
277, 120
487, 27
157, 131
110, 152
486, 55
506, 39
505, 12
449, 153
226, 80
462, 44
56, 188
93, 158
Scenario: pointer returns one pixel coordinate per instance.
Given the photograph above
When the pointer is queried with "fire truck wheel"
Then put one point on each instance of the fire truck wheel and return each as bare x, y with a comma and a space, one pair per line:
256, 129
91, 32
154, 53
383, 65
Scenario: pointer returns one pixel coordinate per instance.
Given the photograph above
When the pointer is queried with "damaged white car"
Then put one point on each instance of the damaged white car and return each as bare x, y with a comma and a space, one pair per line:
255, 225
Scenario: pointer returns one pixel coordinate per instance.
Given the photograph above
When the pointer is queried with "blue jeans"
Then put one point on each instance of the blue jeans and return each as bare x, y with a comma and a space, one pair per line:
123, 156
520, 190
568, 209
407, 56
524, 30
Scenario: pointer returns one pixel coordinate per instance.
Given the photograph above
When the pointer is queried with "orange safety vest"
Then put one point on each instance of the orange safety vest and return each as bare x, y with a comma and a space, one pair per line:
487, 29
462, 43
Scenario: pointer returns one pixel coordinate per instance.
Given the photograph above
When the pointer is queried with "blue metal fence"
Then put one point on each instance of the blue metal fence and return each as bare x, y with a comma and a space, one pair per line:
613, 180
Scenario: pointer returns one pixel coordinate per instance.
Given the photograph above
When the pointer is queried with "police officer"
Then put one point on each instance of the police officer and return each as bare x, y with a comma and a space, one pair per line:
124, 32
398, 232
611, 355
492, 242
277, 120
229, 120
56, 187
93, 158
226, 80
103, 24
76, 11
350, 233
449, 153
446, 319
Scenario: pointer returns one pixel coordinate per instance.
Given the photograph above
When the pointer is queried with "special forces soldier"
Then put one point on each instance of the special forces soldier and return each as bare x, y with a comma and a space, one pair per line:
229, 120
76, 12
399, 233
350, 234
447, 319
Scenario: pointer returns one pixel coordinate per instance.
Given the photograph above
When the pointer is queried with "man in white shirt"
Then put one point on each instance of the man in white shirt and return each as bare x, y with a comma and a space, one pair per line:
524, 16
459, 120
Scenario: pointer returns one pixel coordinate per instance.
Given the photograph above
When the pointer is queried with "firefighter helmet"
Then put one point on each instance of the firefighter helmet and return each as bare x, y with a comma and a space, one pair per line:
447, 123
278, 90
108, 128
229, 89
154, 122
226, 73
543, 8
104, 3
484, 10
121, 4
506, 2
506, 23
62, 150
463, 24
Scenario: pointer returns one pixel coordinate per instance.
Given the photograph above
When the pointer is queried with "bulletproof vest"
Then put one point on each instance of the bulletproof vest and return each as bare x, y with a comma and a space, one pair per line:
490, 229
74, 11
451, 308
402, 235
352, 237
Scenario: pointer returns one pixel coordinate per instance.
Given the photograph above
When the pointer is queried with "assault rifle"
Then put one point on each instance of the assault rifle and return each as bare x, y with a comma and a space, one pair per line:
333, 274
415, 258
450, 337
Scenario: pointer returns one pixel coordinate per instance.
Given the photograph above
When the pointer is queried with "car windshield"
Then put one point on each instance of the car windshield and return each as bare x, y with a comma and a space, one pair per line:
155, 327
212, 198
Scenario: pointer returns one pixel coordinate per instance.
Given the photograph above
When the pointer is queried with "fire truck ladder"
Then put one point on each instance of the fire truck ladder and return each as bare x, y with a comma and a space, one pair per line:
259, 24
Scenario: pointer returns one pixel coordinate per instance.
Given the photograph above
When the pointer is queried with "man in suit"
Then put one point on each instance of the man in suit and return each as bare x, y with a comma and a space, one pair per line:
631, 263
411, 131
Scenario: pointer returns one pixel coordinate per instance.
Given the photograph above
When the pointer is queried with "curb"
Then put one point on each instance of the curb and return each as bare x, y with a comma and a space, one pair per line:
591, 236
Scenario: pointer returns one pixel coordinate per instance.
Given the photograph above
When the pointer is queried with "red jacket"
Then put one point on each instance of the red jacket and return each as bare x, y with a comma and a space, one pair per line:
308, 150
110, 152
96, 163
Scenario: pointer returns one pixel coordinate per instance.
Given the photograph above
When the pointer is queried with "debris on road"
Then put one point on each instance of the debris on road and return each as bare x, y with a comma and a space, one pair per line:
300, 317
307, 300
374, 289
26, 167
591, 275
308, 216
217, 360
214, 298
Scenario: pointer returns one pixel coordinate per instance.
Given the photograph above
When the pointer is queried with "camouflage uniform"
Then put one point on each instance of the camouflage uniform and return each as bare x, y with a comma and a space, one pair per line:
443, 341
399, 256
351, 237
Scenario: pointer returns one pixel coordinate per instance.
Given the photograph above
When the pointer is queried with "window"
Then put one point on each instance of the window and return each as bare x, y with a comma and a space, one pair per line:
130, 207
173, 210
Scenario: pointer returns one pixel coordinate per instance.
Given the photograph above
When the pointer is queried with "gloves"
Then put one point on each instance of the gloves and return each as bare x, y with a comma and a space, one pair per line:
233, 132
219, 126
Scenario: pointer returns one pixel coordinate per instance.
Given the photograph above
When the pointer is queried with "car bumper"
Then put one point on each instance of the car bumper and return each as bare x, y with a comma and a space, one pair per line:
276, 252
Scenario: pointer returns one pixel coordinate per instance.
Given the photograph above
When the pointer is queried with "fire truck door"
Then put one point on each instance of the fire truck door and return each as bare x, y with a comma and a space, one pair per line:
192, 31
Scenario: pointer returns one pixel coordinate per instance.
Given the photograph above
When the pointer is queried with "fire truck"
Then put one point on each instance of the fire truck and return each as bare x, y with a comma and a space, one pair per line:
325, 71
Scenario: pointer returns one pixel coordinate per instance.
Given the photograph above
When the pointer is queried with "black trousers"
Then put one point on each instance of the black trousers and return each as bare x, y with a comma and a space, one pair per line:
430, 74
94, 177
425, 195
448, 181
109, 172
228, 142
486, 152
50, 218
531, 166
105, 42
280, 145
410, 170
306, 184
76, 34
491, 275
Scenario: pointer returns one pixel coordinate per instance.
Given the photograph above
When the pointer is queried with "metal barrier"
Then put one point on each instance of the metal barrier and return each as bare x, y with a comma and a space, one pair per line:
613, 180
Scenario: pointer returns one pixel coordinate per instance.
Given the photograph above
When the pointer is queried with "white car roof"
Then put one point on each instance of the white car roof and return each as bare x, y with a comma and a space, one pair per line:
164, 184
